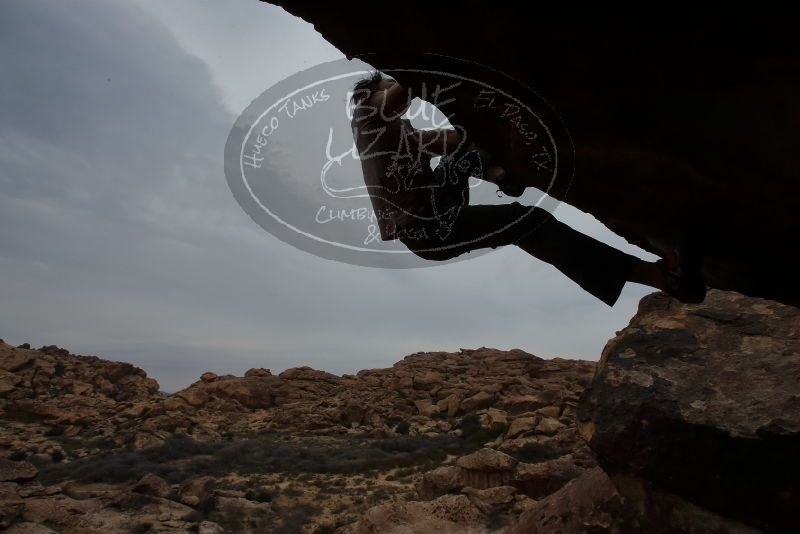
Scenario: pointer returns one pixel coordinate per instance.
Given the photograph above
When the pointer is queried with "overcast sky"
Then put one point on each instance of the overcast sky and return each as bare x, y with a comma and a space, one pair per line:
119, 236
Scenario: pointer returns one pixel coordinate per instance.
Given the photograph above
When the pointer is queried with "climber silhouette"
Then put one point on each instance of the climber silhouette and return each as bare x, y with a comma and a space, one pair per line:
428, 209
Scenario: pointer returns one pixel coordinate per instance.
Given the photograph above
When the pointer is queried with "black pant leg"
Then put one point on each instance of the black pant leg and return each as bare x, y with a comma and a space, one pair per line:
476, 227
598, 268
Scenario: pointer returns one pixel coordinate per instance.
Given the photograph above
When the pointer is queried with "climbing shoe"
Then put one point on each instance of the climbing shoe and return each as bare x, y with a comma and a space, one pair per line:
683, 276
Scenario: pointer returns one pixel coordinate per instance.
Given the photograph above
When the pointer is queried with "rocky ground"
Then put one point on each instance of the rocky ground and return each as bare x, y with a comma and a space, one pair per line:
477, 441
92, 445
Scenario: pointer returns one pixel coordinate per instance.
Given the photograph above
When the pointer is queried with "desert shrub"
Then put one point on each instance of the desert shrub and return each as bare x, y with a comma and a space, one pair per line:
470, 423
194, 517
473, 434
176, 448
112, 468
292, 492
379, 495
95, 442
402, 473
536, 452
22, 412
56, 430
181, 457
258, 495
497, 519
294, 520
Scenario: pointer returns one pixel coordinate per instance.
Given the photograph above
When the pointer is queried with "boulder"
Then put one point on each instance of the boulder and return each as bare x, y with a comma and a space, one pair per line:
487, 460
591, 503
209, 527
450, 404
251, 392
260, 371
153, 485
426, 408
540, 479
11, 504
449, 514
480, 400
702, 401
195, 397
427, 380
517, 404
306, 373
15, 359
495, 420
8, 381
444, 479
520, 425
12, 471
486, 468
550, 411
490, 499
196, 491
548, 425
208, 376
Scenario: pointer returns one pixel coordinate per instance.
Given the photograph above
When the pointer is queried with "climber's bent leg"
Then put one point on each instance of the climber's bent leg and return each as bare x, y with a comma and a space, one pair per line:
598, 268
475, 227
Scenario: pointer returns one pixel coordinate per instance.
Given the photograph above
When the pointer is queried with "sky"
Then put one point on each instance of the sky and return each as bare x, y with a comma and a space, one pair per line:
120, 238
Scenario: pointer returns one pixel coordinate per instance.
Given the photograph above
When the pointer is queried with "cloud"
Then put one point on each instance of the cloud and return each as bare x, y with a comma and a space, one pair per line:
247, 45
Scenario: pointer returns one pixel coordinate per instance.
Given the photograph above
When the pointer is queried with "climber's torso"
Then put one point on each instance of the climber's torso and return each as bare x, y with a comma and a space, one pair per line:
404, 190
